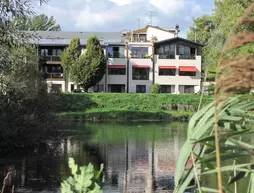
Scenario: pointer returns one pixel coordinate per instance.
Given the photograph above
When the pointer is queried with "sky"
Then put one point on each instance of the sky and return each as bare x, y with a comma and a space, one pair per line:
118, 15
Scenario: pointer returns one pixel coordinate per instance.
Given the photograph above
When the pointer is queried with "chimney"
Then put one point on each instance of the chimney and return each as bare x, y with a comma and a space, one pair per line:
177, 30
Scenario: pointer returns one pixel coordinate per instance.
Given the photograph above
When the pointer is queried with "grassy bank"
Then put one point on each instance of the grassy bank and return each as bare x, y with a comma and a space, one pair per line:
132, 107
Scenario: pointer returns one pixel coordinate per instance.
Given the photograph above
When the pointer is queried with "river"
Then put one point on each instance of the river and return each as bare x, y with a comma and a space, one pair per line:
137, 157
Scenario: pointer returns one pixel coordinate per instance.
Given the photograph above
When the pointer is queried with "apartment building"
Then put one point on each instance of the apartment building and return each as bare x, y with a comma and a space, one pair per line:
136, 60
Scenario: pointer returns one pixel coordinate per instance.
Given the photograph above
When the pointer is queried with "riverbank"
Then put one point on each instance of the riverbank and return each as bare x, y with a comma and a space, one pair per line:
126, 107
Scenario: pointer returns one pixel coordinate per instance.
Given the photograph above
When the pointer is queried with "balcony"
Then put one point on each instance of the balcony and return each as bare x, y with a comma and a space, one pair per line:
167, 56
51, 59
55, 75
116, 54
140, 56
187, 57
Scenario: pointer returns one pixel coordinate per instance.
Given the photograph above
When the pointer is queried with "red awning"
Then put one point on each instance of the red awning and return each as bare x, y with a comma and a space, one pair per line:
116, 66
167, 67
141, 66
187, 68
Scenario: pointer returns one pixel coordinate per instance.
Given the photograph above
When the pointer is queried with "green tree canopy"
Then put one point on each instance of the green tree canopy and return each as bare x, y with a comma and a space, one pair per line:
37, 23
213, 31
85, 69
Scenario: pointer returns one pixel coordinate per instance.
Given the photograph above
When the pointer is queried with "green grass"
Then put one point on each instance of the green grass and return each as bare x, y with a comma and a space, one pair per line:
114, 106
133, 102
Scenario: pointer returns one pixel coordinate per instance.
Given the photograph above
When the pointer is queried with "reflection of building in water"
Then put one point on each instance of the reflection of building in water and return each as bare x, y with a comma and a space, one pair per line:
135, 167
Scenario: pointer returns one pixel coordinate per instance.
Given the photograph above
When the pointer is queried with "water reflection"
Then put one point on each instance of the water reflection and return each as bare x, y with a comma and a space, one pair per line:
137, 157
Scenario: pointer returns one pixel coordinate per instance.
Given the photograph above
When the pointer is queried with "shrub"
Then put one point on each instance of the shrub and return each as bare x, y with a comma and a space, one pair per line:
83, 180
155, 89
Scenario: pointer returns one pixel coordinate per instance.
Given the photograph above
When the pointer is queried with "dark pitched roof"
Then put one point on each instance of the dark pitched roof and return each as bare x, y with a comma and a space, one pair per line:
179, 38
64, 38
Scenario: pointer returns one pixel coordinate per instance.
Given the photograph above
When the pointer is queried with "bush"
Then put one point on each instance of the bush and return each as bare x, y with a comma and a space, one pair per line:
211, 88
155, 89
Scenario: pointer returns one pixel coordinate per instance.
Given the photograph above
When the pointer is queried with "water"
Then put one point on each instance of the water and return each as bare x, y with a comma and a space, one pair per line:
137, 157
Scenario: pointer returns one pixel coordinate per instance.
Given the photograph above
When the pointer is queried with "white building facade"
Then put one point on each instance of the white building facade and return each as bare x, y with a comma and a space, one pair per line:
133, 64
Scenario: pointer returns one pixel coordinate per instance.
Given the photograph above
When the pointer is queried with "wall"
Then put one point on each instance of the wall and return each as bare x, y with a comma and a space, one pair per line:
160, 34
133, 83
178, 80
116, 79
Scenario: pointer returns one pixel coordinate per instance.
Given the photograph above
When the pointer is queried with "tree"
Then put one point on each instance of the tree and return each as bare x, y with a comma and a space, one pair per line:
85, 69
214, 29
37, 23
203, 27
23, 97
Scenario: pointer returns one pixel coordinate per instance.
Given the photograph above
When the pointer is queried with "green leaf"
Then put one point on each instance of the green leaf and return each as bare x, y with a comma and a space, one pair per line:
227, 168
205, 189
238, 177
182, 186
251, 190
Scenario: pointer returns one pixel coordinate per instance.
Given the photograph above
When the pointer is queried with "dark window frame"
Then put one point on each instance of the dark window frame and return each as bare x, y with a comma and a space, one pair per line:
164, 88
117, 71
140, 73
140, 88
189, 87
184, 73
167, 72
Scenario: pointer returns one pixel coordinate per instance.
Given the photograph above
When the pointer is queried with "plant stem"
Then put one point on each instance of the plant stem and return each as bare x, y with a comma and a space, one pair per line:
218, 161
5, 179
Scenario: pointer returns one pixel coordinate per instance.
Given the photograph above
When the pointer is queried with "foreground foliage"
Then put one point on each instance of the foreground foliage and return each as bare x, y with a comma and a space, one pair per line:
84, 179
23, 98
216, 141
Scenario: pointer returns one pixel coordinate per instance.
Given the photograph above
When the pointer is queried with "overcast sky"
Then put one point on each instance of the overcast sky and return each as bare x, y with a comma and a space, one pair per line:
116, 15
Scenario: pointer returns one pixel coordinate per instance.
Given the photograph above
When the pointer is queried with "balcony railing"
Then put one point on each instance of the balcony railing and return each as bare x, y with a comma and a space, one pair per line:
116, 54
187, 57
54, 75
140, 77
147, 56
167, 56
51, 58
140, 39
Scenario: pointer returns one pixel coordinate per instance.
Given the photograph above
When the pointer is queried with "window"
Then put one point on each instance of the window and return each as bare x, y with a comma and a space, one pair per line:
116, 71
56, 52
98, 88
54, 69
188, 89
140, 88
140, 73
167, 72
165, 89
116, 52
139, 52
167, 52
186, 52
56, 88
44, 52
182, 73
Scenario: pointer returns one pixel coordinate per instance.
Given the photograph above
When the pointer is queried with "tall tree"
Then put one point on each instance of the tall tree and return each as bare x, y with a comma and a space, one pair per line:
202, 30
85, 69
23, 97
213, 30
37, 23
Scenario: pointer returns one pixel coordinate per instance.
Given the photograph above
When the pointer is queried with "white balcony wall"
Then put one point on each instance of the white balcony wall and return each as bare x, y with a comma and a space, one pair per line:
116, 79
133, 83
117, 61
160, 34
178, 80
61, 82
